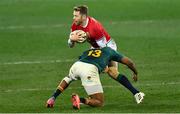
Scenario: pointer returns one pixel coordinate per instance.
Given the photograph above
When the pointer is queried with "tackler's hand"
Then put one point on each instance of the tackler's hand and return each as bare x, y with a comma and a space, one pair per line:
106, 69
135, 77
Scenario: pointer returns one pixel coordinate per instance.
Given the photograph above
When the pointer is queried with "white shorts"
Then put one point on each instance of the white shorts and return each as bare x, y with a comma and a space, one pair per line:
89, 75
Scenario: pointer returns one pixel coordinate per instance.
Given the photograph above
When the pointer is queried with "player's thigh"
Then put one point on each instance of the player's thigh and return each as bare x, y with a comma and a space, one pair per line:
89, 75
93, 89
112, 44
80, 70
90, 79
74, 71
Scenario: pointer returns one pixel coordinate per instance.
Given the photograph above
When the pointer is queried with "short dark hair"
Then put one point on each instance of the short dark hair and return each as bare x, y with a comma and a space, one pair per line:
83, 9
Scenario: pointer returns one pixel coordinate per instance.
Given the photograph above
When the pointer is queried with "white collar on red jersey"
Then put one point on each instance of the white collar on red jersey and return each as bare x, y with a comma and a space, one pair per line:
87, 21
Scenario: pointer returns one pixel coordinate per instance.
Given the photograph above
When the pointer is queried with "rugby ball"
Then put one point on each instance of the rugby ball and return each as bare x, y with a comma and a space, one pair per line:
82, 35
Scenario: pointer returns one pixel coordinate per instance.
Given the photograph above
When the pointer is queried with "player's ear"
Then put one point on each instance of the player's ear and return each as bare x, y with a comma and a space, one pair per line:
84, 17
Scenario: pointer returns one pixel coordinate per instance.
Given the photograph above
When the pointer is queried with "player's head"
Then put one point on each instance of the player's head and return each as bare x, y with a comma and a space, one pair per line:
80, 14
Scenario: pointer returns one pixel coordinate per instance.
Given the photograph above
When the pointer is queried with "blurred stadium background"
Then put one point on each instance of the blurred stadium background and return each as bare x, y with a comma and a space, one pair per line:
34, 54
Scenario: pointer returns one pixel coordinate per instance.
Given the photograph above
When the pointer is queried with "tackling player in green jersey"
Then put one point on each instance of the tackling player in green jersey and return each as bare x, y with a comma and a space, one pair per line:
100, 57
91, 63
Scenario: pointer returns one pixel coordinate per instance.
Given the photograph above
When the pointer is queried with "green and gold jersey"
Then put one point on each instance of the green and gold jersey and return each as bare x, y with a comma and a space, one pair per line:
100, 57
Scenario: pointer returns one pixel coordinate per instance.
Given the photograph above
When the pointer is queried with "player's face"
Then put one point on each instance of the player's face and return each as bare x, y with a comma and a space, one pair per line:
77, 17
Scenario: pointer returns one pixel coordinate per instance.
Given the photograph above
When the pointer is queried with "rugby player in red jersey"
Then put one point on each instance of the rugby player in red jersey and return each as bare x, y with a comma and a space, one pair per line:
96, 34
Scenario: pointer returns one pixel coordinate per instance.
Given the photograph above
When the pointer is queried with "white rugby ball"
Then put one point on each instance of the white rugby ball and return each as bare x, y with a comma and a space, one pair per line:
82, 35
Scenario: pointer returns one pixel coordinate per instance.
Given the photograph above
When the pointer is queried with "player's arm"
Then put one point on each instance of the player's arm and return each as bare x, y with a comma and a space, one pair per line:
71, 43
72, 40
128, 62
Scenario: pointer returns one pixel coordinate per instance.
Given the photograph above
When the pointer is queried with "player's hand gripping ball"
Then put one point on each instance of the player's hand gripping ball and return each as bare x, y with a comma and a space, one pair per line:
78, 36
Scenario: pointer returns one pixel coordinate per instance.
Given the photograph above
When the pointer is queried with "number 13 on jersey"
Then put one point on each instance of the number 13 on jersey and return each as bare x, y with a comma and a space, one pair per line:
95, 53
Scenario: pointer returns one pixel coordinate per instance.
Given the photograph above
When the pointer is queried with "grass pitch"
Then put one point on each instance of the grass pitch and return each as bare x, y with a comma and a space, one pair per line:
34, 54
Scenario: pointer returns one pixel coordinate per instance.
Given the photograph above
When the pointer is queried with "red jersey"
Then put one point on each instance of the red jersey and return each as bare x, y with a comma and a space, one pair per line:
95, 30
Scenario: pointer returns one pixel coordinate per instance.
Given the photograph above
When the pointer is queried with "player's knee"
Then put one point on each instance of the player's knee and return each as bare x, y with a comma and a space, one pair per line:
67, 79
96, 100
101, 103
95, 103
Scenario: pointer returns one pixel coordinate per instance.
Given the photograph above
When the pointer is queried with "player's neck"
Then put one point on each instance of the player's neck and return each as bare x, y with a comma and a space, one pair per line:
85, 23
